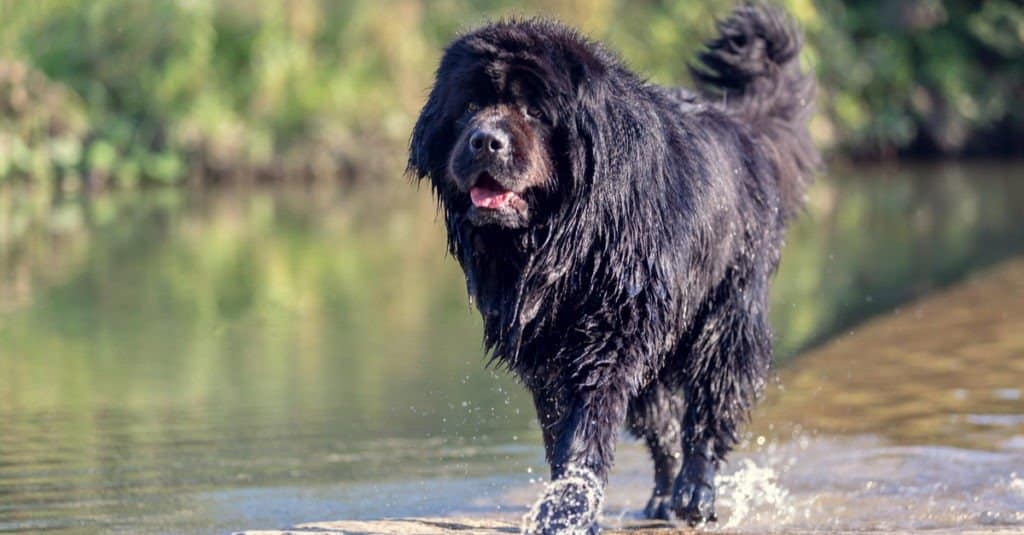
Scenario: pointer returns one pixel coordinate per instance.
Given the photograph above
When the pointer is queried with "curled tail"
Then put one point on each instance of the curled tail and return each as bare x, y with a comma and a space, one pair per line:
751, 69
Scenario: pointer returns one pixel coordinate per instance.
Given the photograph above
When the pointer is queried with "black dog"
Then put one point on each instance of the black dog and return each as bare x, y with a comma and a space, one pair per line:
619, 238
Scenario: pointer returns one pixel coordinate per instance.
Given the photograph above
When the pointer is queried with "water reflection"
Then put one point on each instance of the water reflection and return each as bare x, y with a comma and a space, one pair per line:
181, 362
947, 370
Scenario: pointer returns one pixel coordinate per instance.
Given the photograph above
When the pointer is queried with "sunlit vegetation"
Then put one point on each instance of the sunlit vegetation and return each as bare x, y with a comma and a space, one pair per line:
115, 92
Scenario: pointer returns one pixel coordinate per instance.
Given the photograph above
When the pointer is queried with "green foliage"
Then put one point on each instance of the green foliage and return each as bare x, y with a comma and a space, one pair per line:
116, 91
923, 76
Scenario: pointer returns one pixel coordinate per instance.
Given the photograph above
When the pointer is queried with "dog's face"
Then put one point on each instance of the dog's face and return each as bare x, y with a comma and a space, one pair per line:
494, 135
500, 158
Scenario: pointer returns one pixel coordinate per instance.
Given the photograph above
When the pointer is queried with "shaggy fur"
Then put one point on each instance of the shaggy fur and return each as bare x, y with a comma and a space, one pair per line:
619, 238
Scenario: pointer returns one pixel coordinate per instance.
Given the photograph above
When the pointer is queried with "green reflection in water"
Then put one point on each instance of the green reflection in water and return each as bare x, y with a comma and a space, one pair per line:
162, 342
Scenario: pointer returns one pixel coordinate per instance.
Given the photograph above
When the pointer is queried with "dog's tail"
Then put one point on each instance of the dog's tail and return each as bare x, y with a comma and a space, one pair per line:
751, 69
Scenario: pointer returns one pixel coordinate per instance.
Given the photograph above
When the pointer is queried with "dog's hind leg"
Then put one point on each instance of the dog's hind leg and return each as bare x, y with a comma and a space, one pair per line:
656, 416
728, 361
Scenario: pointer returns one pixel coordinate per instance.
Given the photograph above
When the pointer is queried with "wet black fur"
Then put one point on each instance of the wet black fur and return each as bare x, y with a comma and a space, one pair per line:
638, 292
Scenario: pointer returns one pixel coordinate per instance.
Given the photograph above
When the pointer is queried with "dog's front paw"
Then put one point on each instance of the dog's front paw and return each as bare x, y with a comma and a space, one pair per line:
569, 505
694, 497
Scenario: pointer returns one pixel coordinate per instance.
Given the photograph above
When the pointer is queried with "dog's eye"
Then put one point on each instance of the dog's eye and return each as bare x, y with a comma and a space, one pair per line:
472, 107
534, 112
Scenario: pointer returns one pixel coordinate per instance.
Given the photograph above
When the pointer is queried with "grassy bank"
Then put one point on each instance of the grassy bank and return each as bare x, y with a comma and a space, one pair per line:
115, 92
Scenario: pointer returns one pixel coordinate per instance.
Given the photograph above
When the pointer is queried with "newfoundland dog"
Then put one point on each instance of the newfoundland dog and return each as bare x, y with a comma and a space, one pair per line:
619, 239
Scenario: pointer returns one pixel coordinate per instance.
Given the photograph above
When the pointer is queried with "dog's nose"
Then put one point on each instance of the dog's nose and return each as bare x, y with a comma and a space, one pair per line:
488, 140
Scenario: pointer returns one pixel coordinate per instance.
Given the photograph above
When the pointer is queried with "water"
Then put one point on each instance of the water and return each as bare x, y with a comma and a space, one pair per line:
199, 363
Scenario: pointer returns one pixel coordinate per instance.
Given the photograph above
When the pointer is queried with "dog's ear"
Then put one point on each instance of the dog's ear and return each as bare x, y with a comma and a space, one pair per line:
584, 124
611, 141
430, 138
588, 129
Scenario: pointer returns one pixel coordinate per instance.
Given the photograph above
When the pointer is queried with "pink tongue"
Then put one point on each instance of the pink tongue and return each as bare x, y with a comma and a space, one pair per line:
489, 198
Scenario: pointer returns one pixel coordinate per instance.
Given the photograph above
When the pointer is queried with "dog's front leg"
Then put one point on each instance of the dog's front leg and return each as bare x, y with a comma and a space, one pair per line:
581, 454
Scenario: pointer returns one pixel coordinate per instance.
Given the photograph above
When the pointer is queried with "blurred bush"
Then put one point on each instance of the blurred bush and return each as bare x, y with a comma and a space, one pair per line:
117, 92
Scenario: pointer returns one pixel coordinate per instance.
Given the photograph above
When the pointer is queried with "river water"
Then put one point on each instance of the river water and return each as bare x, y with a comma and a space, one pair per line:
185, 362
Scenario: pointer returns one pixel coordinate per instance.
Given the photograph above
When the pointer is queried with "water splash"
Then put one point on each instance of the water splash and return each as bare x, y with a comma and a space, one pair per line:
752, 492
1016, 484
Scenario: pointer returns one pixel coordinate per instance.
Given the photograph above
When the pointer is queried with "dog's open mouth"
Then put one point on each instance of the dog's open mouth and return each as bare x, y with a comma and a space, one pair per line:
488, 193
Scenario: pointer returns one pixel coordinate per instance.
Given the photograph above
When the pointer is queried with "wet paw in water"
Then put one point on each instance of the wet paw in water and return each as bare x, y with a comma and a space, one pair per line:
695, 503
659, 507
693, 499
569, 505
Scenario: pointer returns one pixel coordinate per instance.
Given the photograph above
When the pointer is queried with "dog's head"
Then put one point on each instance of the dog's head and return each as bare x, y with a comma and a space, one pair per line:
502, 137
